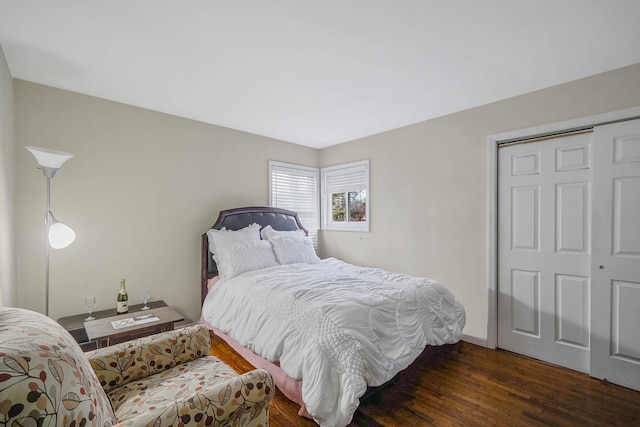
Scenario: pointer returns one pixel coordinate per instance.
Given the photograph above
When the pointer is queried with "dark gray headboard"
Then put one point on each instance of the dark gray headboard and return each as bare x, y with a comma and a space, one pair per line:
235, 219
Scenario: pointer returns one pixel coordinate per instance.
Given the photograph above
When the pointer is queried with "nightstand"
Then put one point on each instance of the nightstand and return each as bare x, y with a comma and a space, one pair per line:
76, 325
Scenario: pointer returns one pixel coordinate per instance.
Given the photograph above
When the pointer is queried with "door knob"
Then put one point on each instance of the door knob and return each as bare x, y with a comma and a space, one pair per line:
602, 267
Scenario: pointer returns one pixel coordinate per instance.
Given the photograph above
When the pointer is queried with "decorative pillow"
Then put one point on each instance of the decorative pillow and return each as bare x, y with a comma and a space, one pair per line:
220, 237
268, 232
291, 249
240, 257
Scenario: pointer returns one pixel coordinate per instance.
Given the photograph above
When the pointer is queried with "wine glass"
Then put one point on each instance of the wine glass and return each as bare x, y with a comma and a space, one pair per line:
90, 304
145, 295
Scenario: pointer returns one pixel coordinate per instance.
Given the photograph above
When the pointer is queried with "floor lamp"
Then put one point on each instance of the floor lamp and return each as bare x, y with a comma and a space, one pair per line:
59, 235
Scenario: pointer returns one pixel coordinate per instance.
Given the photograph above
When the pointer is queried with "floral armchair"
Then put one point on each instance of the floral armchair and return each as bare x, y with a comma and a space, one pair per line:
167, 379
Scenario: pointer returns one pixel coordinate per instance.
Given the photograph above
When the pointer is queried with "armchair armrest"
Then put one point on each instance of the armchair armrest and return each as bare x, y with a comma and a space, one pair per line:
120, 364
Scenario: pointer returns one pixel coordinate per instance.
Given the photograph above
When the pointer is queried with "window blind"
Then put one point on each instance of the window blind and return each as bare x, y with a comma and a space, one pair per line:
295, 187
352, 178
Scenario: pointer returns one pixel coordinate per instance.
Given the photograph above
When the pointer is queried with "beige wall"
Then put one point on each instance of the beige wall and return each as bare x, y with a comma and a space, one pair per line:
429, 185
141, 189
7, 196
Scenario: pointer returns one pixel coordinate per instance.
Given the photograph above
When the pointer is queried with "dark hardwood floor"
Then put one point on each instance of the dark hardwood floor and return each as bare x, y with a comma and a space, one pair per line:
468, 385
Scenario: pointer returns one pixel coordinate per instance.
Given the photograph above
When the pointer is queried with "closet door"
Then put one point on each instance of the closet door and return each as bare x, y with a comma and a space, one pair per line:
544, 239
615, 297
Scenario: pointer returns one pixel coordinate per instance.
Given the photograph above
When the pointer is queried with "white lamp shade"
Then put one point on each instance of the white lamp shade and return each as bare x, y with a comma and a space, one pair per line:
60, 235
49, 158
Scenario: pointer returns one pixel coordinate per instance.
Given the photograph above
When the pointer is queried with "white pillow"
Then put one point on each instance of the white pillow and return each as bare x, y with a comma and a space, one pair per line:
291, 249
240, 257
268, 232
220, 237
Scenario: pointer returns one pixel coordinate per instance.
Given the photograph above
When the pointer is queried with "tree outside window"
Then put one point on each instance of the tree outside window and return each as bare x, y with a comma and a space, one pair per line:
358, 206
349, 206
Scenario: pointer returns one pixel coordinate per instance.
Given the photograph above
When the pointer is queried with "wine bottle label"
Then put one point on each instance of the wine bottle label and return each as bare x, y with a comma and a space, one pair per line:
122, 307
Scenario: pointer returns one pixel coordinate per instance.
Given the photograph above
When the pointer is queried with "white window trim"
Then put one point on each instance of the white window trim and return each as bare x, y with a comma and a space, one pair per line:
327, 223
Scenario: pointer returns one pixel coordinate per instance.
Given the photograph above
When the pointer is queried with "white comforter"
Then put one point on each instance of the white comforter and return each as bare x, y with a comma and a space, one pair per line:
337, 326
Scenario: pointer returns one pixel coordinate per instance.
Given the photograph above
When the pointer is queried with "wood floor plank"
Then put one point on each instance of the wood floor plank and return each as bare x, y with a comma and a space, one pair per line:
468, 385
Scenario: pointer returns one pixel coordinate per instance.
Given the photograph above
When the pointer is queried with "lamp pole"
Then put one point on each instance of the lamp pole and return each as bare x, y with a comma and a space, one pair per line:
47, 220
49, 161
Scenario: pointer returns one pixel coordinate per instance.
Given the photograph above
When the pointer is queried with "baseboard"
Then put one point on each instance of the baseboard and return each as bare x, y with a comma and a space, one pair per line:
474, 340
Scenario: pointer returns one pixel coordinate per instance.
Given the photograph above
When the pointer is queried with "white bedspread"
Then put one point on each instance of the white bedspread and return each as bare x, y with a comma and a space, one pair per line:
337, 326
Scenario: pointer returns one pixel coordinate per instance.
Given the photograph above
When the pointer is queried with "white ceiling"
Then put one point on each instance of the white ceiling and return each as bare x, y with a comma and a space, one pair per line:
315, 73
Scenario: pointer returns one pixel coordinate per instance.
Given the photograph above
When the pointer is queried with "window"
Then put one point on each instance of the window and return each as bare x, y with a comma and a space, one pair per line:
344, 201
295, 187
345, 192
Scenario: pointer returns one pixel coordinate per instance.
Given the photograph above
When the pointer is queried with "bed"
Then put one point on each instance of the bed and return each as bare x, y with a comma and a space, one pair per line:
325, 329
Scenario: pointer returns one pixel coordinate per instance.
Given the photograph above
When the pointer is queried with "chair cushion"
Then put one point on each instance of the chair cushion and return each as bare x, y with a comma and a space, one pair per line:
45, 378
204, 391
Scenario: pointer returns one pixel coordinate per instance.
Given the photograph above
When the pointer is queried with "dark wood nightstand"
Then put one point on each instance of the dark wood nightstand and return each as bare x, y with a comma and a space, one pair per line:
134, 324
75, 324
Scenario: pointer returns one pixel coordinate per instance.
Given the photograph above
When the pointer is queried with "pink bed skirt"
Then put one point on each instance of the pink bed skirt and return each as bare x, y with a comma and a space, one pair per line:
291, 388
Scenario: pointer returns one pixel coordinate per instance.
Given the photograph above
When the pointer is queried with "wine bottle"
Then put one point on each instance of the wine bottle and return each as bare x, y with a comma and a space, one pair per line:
123, 299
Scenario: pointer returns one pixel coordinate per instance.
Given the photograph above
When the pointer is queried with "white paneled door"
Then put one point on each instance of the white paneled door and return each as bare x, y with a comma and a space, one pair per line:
569, 251
544, 229
615, 319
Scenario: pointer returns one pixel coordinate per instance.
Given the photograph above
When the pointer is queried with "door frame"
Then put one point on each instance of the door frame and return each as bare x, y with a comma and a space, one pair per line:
492, 227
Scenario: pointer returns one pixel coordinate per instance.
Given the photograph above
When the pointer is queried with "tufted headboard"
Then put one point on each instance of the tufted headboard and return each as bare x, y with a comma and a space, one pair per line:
235, 219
